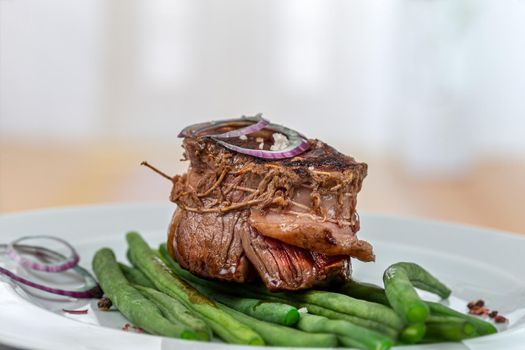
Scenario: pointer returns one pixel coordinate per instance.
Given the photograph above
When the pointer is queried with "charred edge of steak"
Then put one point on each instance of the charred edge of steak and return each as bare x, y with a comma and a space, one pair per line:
320, 156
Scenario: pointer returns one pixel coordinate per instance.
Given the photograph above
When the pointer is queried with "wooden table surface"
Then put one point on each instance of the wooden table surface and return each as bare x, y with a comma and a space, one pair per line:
53, 174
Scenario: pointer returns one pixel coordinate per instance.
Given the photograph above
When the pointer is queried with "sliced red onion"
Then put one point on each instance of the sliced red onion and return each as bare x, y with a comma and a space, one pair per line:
91, 289
261, 124
93, 292
76, 312
298, 144
254, 124
58, 266
194, 129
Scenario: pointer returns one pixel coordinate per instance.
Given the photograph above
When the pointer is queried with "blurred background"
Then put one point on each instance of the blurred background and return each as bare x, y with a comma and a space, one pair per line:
430, 93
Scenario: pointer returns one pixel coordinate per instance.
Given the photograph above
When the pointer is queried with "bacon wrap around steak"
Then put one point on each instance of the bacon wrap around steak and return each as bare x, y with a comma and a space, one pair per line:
290, 222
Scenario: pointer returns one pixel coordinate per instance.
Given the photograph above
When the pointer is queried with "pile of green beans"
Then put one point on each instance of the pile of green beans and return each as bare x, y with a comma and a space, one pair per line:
135, 276
274, 312
274, 334
436, 329
352, 306
130, 302
361, 312
176, 312
158, 295
260, 293
400, 279
167, 282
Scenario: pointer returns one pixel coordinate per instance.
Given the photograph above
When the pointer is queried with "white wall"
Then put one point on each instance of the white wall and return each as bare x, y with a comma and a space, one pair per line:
50, 53
437, 83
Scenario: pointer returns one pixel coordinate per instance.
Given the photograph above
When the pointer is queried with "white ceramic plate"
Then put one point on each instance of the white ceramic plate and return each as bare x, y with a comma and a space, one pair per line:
475, 263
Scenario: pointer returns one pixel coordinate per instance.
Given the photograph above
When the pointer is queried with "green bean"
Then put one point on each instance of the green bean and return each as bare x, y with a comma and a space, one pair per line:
482, 327
351, 306
176, 312
167, 282
364, 291
368, 315
375, 293
446, 328
420, 278
269, 311
359, 312
400, 292
369, 324
362, 338
348, 342
278, 335
130, 302
135, 276
412, 333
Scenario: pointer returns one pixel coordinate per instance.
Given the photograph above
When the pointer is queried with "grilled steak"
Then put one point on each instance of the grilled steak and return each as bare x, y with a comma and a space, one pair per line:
290, 222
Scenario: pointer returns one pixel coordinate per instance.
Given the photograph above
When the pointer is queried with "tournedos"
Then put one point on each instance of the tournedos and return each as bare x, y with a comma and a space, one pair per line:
289, 220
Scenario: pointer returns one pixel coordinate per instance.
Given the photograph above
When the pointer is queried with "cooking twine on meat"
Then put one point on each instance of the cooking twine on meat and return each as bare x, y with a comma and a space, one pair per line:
214, 192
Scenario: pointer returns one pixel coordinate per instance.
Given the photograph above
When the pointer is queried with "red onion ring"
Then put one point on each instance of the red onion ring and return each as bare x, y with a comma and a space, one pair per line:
261, 124
298, 144
93, 292
76, 312
67, 264
255, 124
92, 289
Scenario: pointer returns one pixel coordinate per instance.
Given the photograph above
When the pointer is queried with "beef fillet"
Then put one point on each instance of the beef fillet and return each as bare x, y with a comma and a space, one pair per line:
290, 222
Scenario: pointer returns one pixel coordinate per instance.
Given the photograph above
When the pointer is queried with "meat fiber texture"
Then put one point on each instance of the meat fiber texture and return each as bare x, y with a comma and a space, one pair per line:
292, 223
